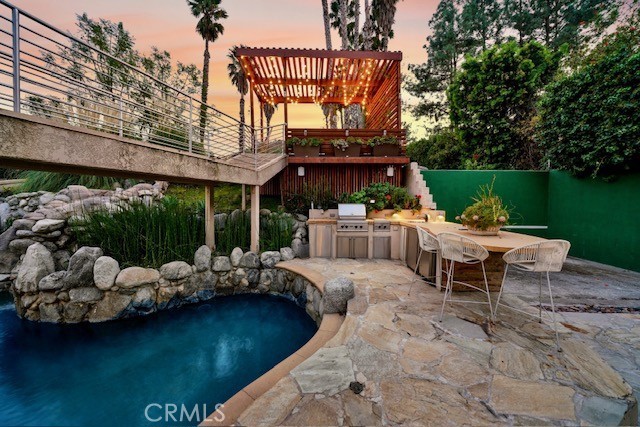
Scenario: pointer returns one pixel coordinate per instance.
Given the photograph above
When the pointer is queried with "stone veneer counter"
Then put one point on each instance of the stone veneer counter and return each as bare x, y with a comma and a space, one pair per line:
392, 363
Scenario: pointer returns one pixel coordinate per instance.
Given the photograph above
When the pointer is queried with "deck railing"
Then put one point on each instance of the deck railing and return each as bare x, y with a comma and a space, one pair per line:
51, 74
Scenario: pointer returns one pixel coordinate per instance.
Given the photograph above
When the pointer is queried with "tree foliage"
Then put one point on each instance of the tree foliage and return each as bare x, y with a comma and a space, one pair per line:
469, 27
493, 103
103, 78
438, 151
589, 119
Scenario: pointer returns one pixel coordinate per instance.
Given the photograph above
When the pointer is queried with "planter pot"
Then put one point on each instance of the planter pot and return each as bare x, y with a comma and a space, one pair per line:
351, 151
491, 231
306, 151
386, 150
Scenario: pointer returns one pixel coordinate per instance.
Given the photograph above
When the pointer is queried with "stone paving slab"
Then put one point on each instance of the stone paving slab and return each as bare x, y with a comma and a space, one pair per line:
393, 363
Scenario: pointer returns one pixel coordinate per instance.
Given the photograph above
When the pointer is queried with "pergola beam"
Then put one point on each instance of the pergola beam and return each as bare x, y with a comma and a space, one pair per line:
318, 53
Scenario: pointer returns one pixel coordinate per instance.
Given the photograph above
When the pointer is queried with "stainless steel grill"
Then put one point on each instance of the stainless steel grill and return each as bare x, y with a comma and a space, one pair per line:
352, 217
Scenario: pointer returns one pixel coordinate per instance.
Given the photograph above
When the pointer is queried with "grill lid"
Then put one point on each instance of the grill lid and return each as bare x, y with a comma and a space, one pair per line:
354, 211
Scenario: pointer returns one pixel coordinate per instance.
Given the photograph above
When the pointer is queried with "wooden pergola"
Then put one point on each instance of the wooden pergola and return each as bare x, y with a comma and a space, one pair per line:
308, 76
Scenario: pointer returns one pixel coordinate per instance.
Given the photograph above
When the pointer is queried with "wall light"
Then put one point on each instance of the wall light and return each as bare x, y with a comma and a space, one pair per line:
390, 171
300, 170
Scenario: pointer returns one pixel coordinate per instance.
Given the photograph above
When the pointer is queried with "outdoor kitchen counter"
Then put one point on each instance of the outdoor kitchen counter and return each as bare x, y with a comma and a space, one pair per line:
369, 221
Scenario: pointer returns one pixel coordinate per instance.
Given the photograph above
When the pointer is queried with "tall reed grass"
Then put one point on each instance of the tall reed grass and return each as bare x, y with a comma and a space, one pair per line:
172, 230
275, 231
145, 235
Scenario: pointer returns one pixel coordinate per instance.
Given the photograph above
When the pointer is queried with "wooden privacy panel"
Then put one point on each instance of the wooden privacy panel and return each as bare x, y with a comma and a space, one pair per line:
383, 111
337, 178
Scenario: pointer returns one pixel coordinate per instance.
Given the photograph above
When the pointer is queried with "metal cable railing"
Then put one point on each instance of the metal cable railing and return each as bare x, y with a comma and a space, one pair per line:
48, 73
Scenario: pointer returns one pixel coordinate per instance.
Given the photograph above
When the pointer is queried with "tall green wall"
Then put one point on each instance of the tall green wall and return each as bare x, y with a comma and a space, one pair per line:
525, 192
600, 219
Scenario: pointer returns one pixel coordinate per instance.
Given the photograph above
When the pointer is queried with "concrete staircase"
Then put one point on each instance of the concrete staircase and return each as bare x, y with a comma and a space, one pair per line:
418, 187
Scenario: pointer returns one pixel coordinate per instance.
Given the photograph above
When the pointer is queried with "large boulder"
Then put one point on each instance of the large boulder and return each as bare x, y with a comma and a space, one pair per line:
176, 270
300, 249
286, 254
236, 256
269, 259
81, 263
20, 246
37, 263
133, 277
112, 306
221, 263
85, 294
49, 313
145, 298
202, 258
47, 225
105, 271
249, 260
61, 259
336, 294
52, 282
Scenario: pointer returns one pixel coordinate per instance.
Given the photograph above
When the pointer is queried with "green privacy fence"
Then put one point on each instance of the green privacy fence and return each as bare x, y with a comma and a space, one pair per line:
600, 219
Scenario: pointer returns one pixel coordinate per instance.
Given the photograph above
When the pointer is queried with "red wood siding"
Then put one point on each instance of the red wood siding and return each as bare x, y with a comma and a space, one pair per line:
339, 178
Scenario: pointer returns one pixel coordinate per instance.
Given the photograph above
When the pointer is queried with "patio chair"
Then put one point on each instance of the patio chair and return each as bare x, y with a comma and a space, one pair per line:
459, 249
544, 257
429, 244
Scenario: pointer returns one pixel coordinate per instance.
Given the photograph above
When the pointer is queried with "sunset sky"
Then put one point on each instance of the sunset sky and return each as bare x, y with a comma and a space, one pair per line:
169, 25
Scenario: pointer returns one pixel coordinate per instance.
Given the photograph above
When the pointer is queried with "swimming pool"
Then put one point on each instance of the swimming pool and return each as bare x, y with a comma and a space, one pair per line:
112, 373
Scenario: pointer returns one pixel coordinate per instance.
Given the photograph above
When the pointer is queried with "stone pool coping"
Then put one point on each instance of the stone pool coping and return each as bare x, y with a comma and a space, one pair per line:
331, 323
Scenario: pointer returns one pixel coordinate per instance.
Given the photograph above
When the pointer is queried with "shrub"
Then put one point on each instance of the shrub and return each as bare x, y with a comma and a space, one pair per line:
320, 194
589, 119
438, 151
54, 182
382, 195
304, 142
381, 140
145, 235
493, 99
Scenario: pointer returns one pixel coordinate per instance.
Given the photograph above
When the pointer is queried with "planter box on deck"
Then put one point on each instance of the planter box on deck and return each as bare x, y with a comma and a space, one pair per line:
351, 151
386, 150
306, 151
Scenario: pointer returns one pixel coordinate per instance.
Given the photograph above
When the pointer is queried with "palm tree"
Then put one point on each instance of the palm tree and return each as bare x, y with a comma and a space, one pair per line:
269, 110
385, 12
327, 23
209, 13
239, 80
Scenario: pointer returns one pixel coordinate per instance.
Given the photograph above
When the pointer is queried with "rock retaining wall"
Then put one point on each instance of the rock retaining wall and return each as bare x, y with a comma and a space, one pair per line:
41, 217
94, 288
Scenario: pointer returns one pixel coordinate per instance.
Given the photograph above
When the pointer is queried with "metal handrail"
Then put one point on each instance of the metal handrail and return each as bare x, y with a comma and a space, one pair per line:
114, 96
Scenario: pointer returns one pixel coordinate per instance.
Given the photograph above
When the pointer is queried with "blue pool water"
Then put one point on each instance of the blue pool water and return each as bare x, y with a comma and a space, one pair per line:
108, 374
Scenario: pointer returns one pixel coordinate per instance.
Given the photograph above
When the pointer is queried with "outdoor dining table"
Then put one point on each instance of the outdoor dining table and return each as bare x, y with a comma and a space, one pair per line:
494, 265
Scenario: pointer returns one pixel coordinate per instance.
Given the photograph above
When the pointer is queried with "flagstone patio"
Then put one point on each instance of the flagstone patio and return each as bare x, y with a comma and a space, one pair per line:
393, 363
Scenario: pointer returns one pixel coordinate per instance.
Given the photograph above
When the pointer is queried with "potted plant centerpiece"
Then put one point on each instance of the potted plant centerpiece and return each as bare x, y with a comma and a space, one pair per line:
305, 147
487, 215
349, 147
385, 146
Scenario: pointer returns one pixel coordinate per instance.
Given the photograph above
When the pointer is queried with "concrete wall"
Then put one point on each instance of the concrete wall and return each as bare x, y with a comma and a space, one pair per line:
28, 142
